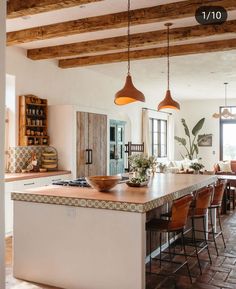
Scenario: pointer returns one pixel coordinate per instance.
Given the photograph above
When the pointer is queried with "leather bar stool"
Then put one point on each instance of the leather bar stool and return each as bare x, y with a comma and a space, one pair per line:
216, 203
199, 211
175, 224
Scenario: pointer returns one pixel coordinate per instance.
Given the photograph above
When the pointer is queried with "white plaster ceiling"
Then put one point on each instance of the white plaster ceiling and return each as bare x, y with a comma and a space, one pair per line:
199, 76
192, 76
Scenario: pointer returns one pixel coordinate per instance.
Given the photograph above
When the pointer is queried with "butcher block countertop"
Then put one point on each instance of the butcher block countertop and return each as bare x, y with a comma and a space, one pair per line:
11, 177
161, 189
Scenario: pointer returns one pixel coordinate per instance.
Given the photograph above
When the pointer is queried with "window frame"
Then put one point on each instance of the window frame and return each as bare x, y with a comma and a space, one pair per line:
222, 122
159, 136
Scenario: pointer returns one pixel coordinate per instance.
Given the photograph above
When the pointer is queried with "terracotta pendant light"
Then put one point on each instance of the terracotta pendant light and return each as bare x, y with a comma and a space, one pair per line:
226, 112
128, 93
168, 101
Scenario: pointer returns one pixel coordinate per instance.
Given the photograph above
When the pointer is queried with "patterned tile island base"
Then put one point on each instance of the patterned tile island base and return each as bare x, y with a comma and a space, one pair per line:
162, 188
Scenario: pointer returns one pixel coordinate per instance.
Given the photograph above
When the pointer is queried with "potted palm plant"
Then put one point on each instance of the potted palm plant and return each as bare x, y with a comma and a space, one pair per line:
190, 143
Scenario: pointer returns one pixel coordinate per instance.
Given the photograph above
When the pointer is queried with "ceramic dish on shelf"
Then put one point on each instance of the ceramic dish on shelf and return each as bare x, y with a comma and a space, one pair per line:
49, 154
49, 166
49, 161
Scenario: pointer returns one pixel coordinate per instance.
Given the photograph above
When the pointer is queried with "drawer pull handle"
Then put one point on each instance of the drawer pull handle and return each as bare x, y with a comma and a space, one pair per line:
28, 184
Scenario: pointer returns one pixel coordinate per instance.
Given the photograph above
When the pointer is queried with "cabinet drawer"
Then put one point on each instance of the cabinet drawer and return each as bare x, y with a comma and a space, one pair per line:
49, 180
22, 186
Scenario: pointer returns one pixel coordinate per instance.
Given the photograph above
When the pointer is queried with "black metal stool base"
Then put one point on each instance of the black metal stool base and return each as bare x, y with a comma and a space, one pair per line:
171, 255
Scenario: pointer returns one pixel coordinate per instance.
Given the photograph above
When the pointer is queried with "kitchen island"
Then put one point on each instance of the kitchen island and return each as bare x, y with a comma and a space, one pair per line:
79, 238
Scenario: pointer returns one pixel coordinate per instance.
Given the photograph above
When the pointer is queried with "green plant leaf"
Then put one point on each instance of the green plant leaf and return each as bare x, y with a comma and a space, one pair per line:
186, 129
196, 149
198, 126
181, 140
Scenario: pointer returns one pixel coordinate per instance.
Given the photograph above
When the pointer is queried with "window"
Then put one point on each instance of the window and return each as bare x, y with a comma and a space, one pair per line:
158, 137
228, 136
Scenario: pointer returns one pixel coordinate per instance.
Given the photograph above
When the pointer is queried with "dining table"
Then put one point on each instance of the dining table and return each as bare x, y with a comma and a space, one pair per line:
229, 194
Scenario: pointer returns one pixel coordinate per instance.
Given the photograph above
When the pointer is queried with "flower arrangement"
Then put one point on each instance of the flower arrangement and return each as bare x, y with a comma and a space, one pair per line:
162, 167
140, 164
196, 166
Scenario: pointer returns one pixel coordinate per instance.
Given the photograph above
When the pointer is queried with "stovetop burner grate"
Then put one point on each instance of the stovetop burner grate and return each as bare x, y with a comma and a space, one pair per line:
80, 182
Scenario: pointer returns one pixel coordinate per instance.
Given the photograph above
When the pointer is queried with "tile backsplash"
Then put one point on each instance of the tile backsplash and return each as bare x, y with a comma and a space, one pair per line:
19, 156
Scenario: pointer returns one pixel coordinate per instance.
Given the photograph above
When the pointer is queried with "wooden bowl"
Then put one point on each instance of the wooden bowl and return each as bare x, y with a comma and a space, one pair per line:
103, 183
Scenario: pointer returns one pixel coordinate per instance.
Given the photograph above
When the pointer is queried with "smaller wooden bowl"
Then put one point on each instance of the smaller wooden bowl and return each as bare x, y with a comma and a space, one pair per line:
103, 183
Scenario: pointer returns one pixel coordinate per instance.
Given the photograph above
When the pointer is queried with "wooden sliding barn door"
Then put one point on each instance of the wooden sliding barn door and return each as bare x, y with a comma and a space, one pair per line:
91, 144
82, 144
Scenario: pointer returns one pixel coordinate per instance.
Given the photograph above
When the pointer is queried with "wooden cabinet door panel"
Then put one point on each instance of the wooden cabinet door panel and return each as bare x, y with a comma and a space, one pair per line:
91, 135
97, 143
82, 144
103, 161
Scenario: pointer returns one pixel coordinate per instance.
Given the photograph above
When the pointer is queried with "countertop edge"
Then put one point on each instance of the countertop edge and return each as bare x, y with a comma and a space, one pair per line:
36, 175
175, 195
107, 204
79, 202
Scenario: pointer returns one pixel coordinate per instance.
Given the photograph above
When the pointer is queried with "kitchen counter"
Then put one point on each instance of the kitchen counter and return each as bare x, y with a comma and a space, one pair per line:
162, 188
11, 177
78, 238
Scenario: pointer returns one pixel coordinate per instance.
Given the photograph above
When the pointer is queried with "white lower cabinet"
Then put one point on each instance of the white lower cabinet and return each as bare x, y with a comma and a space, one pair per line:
21, 186
8, 208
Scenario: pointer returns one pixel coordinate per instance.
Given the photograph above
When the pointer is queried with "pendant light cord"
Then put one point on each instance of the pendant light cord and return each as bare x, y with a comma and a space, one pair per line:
225, 93
168, 57
128, 38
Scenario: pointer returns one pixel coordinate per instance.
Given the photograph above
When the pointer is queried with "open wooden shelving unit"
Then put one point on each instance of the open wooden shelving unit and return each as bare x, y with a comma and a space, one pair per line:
33, 121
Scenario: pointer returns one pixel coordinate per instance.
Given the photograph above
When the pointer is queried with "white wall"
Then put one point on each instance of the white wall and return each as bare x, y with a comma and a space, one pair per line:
93, 88
192, 111
2, 133
12, 106
88, 89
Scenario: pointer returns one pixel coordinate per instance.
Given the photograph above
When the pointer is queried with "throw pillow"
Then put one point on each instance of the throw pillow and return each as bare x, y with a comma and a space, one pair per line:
186, 164
225, 166
179, 165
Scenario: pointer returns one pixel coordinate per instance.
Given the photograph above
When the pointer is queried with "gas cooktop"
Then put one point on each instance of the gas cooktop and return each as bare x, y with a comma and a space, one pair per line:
80, 182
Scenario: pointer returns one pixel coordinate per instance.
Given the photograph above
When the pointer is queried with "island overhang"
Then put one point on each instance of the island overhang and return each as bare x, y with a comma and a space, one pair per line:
162, 188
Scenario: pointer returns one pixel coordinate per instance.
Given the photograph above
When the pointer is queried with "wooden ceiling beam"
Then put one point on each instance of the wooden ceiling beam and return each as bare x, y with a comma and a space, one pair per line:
19, 8
154, 14
137, 40
178, 50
